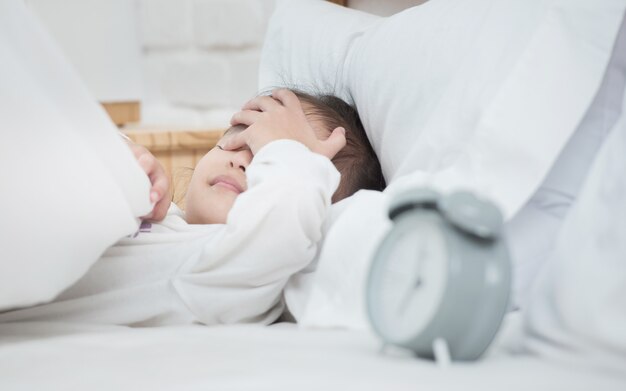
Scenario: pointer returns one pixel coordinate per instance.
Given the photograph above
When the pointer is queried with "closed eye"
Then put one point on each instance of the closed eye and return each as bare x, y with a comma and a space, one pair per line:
243, 148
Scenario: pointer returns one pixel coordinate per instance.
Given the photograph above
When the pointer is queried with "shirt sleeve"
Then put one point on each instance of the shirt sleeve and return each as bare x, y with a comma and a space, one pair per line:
272, 232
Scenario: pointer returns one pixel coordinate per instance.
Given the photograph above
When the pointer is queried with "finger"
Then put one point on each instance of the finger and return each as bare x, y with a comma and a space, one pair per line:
235, 141
245, 117
335, 143
287, 98
261, 103
147, 162
160, 185
137, 150
160, 209
159, 194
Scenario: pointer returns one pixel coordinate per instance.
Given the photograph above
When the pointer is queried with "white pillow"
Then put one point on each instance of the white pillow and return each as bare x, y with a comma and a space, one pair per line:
577, 310
302, 52
479, 94
71, 188
532, 232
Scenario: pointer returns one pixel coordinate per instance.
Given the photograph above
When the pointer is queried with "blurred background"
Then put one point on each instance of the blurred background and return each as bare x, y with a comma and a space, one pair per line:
169, 63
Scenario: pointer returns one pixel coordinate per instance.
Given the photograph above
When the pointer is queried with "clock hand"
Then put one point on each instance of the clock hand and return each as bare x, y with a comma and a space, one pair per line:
421, 258
422, 254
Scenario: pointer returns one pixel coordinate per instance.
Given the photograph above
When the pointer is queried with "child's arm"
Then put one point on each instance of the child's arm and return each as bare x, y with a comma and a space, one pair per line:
271, 233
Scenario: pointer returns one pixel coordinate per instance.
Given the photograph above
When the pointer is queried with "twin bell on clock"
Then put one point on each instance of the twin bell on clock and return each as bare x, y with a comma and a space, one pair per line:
441, 274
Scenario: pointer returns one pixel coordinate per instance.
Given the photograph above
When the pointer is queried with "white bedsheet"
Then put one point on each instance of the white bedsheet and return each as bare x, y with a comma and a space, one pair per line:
37, 356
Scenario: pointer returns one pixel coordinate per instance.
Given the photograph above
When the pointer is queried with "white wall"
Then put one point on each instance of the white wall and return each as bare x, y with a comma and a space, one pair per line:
200, 57
99, 37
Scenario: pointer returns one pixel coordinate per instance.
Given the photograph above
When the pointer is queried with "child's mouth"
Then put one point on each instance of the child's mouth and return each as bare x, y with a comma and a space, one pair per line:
227, 183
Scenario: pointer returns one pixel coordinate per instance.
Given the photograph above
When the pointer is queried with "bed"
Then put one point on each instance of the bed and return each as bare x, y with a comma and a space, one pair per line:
551, 345
247, 357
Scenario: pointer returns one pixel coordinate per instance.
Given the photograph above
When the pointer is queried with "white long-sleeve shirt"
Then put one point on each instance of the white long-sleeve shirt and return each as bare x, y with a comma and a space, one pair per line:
177, 273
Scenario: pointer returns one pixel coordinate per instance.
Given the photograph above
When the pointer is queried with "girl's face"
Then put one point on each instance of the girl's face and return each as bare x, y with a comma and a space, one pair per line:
219, 177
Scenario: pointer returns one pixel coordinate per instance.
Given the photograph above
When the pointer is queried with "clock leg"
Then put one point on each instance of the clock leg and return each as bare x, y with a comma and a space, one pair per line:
441, 351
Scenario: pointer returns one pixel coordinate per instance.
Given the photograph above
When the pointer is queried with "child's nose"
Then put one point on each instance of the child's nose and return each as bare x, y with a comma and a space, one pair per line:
241, 159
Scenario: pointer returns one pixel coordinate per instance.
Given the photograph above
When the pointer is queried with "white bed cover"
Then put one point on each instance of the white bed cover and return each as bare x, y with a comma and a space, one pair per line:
49, 356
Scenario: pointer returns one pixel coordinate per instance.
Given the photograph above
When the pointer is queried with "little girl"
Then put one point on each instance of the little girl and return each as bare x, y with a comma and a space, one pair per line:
254, 213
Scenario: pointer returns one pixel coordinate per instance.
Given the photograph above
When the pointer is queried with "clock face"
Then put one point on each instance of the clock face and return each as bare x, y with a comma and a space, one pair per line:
408, 278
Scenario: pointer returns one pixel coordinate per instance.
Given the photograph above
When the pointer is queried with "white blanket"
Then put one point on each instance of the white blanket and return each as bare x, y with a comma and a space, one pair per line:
59, 153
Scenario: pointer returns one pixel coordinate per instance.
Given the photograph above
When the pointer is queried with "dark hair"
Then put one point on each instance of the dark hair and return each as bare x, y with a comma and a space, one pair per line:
357, 162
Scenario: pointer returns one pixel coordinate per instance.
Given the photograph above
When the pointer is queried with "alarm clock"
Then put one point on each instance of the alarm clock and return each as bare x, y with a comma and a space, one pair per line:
442, 273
